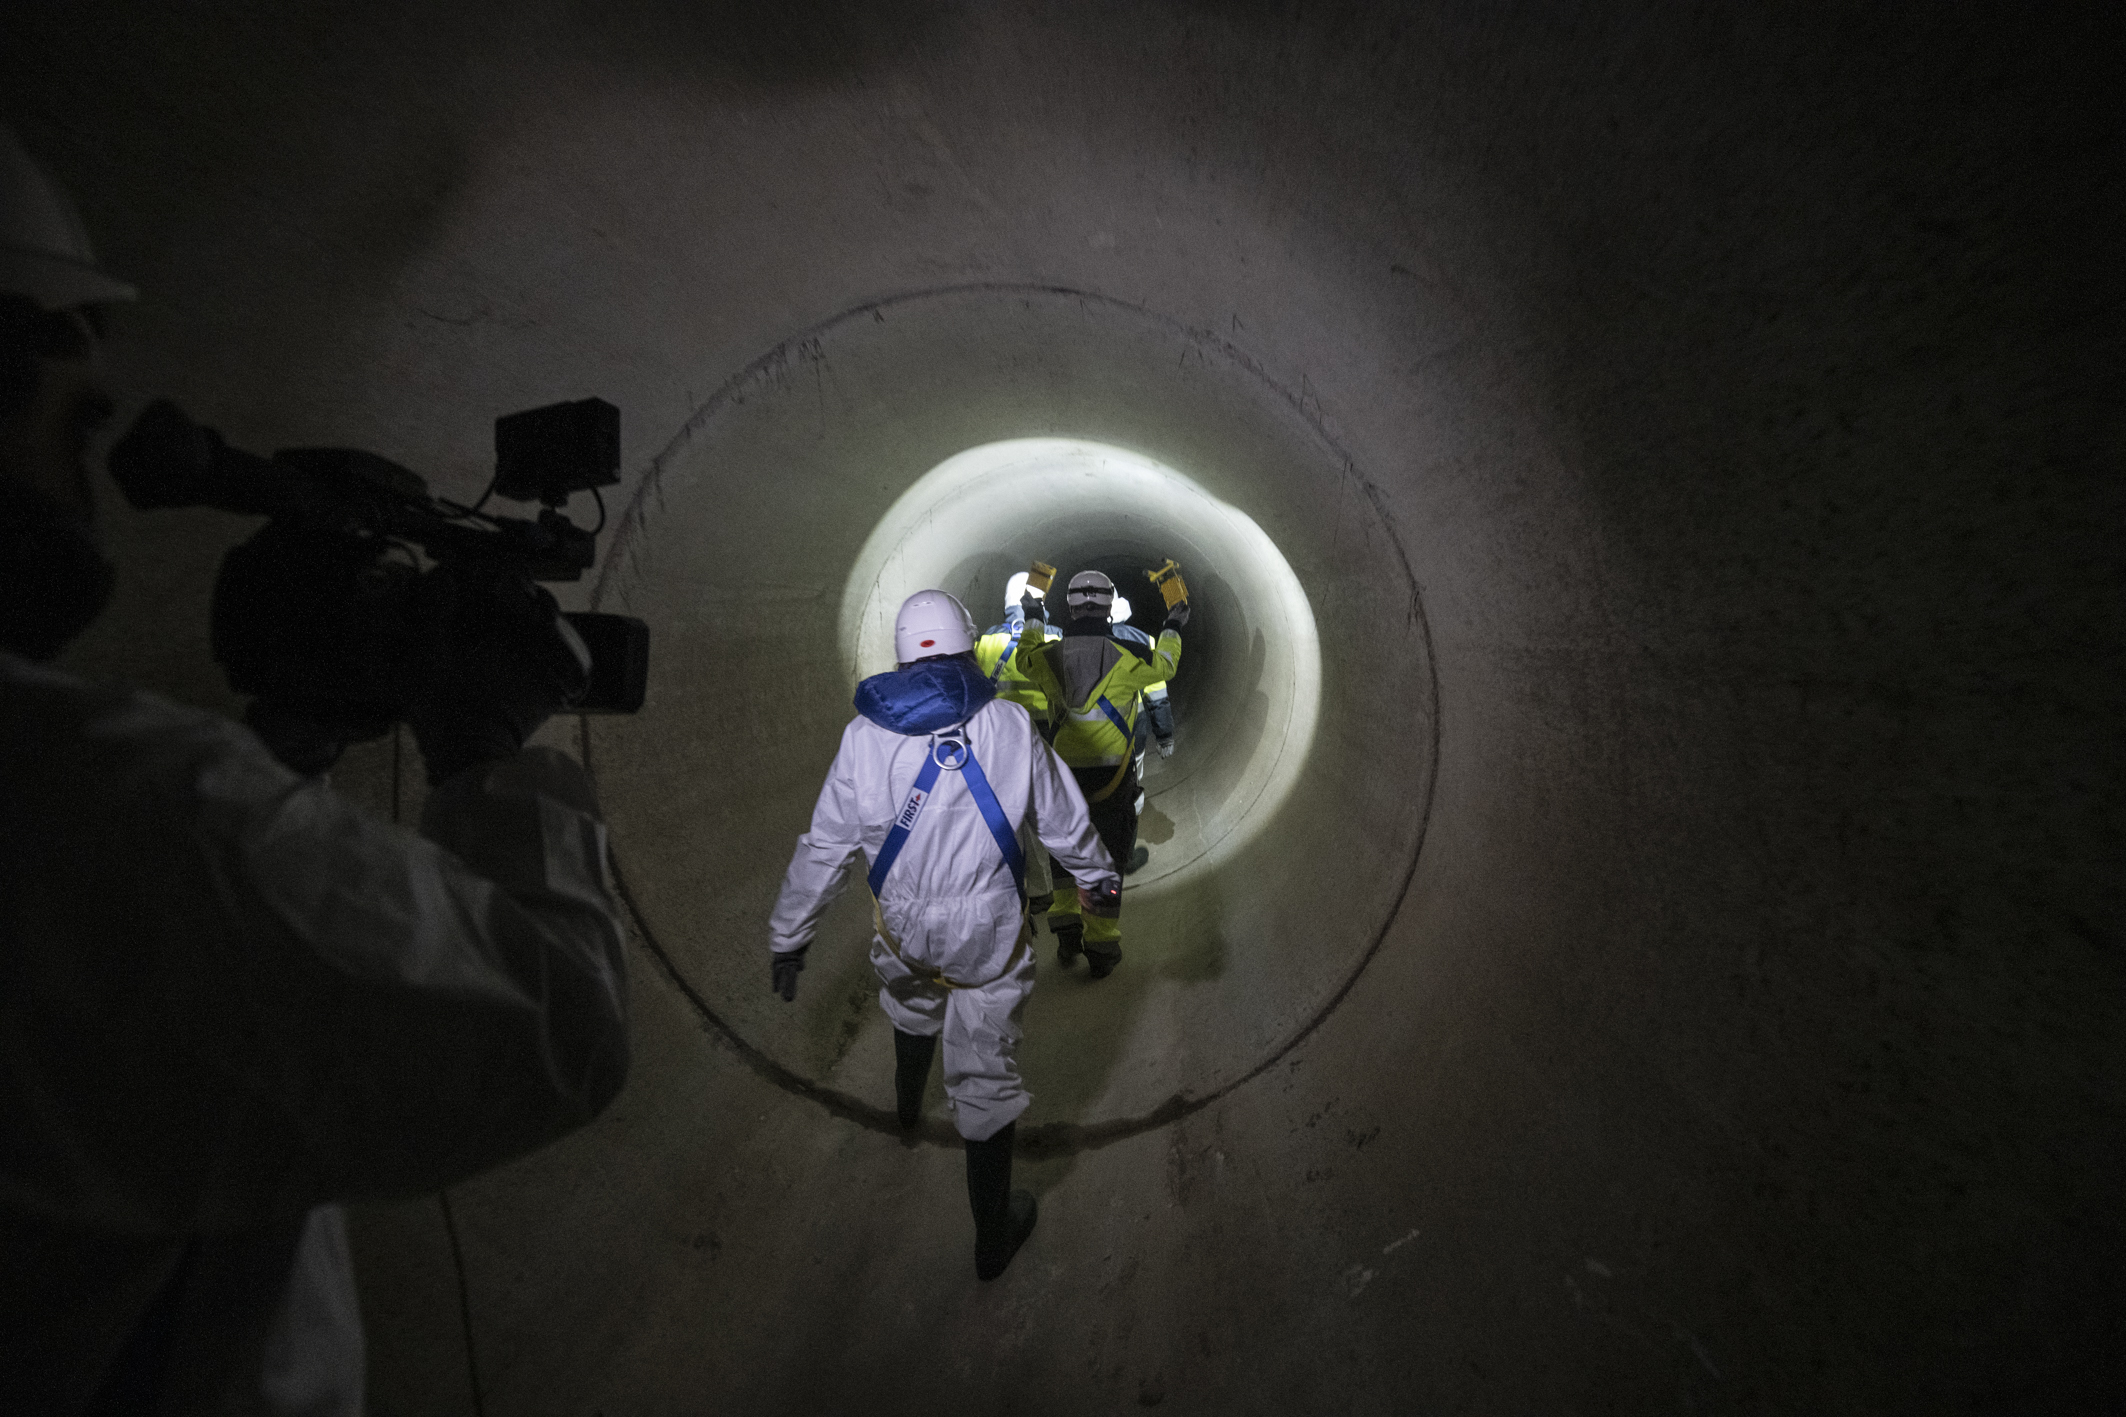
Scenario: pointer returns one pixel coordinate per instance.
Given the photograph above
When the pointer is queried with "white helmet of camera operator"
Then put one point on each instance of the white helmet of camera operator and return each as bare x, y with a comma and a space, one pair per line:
44, 248
931, 623
1014, 588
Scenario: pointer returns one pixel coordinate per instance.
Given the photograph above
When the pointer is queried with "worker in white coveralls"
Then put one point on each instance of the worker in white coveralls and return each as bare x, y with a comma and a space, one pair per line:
943, 786
229, 999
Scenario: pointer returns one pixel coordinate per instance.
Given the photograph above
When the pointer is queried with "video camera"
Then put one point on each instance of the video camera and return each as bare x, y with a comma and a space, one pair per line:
328, 618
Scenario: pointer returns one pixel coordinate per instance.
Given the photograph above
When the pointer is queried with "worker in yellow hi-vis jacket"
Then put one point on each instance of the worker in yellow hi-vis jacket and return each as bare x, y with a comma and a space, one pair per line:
992, 653
1094, 681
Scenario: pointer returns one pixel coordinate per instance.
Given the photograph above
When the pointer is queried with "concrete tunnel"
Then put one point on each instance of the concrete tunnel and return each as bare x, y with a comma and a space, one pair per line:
1633, 921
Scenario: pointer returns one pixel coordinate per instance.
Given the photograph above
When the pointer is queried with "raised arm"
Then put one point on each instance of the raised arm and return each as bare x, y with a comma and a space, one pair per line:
1160, 665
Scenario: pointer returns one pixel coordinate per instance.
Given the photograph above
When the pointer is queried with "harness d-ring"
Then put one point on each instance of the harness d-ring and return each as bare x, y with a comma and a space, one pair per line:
959, 759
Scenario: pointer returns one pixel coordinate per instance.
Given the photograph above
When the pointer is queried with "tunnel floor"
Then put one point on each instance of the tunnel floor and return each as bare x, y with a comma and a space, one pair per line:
673, 1279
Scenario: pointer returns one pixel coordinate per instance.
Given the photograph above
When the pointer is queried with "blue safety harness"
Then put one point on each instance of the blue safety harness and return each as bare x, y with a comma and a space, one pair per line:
1009, 650
960, 758
1114, 716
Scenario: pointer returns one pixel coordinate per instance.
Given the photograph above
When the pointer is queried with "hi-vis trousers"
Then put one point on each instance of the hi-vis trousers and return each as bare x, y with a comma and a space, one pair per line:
1115, 819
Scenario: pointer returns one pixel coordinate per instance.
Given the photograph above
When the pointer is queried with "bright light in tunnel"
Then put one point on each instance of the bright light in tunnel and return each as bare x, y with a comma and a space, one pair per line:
970, 522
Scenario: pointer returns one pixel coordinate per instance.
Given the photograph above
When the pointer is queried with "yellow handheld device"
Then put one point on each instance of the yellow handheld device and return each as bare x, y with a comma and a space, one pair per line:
1168, 579
1040, 578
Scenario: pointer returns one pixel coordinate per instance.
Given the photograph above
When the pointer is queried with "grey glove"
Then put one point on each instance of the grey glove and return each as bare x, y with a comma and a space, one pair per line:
507, 662
782, 974
1177, 617
1166, 747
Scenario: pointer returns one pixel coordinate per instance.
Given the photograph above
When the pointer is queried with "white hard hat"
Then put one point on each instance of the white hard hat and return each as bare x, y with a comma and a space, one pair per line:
1118, 613
1089, 590
931, 623
1013, 589
44, 249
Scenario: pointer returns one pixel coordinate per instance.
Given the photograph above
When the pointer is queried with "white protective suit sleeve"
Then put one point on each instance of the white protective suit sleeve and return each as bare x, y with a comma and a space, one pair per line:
819, 868
229, 995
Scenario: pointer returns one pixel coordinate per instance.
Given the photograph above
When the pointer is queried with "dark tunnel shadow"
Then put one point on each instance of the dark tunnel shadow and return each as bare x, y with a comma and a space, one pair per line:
793, 42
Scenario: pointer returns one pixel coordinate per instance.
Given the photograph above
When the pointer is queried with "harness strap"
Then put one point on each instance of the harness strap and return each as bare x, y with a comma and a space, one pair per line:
1121, 769
1009, 650
993, 815
1011, 961
890, 850
1114, 716
985, 801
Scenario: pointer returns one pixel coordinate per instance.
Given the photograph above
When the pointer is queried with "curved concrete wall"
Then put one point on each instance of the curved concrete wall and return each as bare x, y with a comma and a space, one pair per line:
887, 451
1745, 1038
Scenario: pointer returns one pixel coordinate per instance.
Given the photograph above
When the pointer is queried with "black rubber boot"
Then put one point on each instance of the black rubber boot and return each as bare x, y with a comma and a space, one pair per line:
1070, 943
1137, 860
1003, 1217
1099, 966
912, 1053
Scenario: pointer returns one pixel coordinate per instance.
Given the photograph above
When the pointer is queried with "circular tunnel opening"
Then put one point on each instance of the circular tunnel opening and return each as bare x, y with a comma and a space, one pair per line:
947, 438
1248, 686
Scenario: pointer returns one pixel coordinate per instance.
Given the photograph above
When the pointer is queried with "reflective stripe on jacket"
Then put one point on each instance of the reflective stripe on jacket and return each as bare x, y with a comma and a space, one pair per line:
1155, 698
